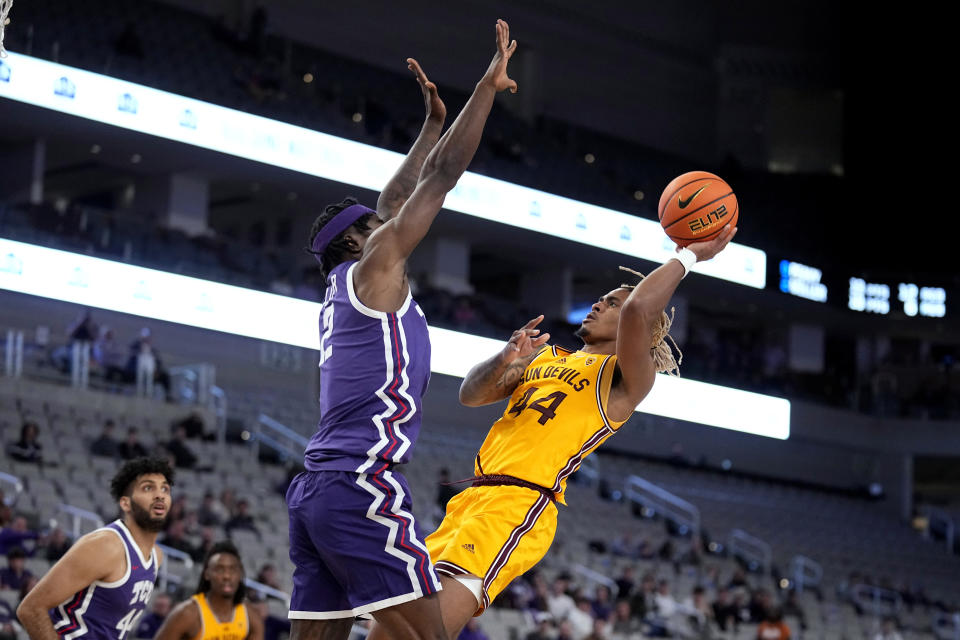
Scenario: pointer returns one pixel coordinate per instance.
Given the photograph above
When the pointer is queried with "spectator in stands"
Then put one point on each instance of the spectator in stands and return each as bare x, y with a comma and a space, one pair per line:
268, 576
444, 490
105, 444
176, 538
16, 534
543, 631
183, 456
725, 611
791, 607
643, 601
83, 329
194, 426
581, 618
626, 582
27, 449
889, 630
699, 613
623, 623
564, 631
131, 447
208, 515
143, 347
739, 579
8, 622
241, 519
559, 603
273, 627
472, 631
151, 621
602, 605
207, 539
761, 602
108, 354
773, 626
16, 573
228, 503
57, 544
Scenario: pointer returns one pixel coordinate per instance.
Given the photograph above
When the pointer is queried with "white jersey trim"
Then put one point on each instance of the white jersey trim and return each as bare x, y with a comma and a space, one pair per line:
351, 613
364, 309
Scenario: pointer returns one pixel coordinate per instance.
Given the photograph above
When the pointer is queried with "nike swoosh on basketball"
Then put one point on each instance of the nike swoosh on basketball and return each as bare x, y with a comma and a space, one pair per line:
683, 203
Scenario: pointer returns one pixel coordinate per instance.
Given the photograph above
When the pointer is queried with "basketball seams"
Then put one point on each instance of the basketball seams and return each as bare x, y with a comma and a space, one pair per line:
707, 204
707, 176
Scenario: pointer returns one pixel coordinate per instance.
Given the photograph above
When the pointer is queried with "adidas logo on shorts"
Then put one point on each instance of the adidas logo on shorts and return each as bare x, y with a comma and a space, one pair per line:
468, 547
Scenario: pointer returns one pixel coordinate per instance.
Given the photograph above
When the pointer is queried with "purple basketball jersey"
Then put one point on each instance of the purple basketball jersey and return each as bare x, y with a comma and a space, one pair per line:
109, 609
374, 370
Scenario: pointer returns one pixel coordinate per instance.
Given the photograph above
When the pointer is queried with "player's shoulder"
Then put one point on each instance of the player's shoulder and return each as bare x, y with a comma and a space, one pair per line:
188, 612
103, 540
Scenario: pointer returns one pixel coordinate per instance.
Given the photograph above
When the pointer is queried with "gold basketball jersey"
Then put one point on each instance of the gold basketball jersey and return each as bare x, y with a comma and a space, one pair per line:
554, 419
237, 628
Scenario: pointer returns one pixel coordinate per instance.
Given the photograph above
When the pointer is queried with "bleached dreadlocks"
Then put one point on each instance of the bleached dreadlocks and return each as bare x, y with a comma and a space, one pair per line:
663, 358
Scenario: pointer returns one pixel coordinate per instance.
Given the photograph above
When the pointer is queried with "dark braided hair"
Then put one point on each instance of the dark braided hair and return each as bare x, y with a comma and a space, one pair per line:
224, 546
339, 249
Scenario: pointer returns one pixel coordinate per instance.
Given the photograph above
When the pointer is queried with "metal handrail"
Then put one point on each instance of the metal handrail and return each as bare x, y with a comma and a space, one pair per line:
876, 600
163, 574
267, 590
805, 572
78, 515
278, 439
596, 576
647, 494
946, 626
218, 399
13, 355
751, 547
14, 482
949, 527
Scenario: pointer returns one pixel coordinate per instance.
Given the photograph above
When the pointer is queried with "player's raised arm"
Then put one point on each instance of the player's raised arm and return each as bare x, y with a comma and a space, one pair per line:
389, 246
404, 181
639, 316
92, 558
496, 378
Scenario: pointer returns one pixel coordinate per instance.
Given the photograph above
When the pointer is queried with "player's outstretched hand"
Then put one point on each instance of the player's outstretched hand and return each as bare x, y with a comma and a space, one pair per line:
436, 110
524, 341
709, 248
496, 73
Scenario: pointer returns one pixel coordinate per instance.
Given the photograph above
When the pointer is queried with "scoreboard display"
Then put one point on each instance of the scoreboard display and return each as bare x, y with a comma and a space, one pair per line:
861, 295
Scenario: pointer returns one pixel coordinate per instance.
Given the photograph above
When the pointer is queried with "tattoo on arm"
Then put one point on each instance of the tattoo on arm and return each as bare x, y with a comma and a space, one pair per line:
404, 181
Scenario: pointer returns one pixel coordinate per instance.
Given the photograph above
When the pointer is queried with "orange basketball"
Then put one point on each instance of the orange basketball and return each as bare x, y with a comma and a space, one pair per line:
697, 206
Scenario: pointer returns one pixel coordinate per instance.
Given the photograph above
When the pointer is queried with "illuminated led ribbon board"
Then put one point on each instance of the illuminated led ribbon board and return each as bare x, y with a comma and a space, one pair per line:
104, 284
138, 108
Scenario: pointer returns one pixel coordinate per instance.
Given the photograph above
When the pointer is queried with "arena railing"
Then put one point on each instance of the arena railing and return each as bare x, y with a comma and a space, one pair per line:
80, 365
163, 574
196, 380
596, 577
218, 401
946, 626
16, 485
267, 591
876, 600
805, 572
13, 354
750, 548
659, 500
77, 516
278, 437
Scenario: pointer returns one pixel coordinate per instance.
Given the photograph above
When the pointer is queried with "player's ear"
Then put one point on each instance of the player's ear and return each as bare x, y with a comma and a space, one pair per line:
124, 503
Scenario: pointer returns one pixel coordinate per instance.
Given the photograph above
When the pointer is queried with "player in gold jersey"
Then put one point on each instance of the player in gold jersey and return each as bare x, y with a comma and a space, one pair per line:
217, 610
562, 406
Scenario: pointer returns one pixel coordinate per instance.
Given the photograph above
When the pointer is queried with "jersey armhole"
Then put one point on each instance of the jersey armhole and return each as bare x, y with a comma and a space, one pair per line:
605, 377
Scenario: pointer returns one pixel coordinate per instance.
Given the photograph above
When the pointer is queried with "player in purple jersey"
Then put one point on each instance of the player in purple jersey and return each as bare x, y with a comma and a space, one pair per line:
103, 583
353, 540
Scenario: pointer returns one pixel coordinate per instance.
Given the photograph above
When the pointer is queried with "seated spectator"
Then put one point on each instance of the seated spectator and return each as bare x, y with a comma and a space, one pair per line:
108, 354
208, 515
151, 621
241, 519
176, 538
725, 611
15, 535
773, 626
228, 503
599, 631
131, 447
194, 427
268, 576
27, 449
559, 603
15, 574
8, 622
602, 605
273, 627
57, 544
581, 618
472, 631
143, 346
207, 540
642, 602
105, 444
699, 613
623, 622
565, 631
28, 584
625, 583
888, 631
183, 456
665, 603
543, 630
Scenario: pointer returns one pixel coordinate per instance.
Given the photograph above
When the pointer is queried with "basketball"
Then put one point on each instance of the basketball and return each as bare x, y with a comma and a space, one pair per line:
696, 206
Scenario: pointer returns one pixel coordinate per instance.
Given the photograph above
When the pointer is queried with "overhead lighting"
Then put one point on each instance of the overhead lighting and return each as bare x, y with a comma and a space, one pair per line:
308, 78
136, 158
95, 149
589, 158
357, 117
638, 195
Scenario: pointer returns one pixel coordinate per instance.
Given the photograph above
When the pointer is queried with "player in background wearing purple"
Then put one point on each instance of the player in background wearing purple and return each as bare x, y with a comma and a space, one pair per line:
353, 540
99, 588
